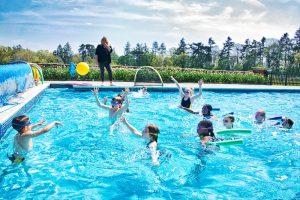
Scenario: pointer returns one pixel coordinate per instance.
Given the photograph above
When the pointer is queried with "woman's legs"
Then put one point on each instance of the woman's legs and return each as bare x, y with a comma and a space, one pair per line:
109, 71
101, 66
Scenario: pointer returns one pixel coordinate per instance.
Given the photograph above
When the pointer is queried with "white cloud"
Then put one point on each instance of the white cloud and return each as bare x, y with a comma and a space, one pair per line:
255, 3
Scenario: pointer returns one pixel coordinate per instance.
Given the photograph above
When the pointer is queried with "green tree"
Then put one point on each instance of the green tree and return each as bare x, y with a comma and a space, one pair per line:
224, 56
182, 47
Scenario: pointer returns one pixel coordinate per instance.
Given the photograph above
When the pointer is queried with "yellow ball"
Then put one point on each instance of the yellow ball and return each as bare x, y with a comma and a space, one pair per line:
82, 68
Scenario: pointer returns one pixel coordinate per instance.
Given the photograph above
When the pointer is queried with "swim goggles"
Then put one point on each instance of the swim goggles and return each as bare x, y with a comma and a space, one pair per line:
21, 125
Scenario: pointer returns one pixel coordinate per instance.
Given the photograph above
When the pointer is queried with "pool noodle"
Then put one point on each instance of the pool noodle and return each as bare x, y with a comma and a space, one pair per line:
233, 131
227, 142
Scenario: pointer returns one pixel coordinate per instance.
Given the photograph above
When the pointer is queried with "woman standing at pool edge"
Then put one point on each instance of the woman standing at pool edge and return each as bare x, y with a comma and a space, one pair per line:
103, 59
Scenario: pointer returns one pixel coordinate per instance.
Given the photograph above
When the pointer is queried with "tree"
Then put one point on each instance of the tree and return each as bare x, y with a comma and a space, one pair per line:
224, 57
211, 44
200, 55
155, 48
64, 53
182, 47
127, 49
297, 40
286, 50
162, 49
83, 52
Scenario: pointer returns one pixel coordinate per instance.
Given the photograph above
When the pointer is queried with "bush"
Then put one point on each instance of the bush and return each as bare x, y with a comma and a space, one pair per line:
182, 75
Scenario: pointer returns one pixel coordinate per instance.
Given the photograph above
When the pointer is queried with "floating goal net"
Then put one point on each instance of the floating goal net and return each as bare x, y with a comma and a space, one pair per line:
147, 76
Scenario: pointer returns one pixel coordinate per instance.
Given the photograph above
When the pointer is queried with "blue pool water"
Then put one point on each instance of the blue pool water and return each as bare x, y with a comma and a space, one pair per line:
86, 158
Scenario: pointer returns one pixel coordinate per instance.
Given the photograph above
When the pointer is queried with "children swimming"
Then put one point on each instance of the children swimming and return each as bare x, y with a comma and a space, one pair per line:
150, 133
23, 139
117, 107
186, 95
228, 121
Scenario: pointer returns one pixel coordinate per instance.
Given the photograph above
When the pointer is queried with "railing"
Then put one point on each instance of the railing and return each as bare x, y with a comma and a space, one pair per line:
289, 76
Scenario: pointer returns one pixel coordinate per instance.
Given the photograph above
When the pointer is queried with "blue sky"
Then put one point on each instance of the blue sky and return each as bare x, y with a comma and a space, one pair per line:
44, 24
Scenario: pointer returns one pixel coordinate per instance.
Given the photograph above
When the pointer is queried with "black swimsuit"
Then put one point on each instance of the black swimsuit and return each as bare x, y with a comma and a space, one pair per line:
186, 103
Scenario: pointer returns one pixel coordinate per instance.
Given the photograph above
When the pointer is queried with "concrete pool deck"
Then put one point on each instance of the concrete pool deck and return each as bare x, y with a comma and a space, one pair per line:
24, 101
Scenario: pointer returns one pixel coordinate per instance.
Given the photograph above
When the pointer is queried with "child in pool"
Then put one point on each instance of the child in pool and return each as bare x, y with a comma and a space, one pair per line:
228, 121
284, 122
205, 131
23, 139
117, 108
186, 95
150, 133
260, 116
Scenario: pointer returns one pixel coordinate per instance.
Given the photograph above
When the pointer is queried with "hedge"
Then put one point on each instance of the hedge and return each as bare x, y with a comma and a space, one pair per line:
182, 75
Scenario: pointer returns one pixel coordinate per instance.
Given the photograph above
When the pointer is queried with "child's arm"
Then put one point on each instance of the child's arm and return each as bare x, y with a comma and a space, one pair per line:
38, 124
200, 83
131, 128
154, 153
178, 86
189, 110
43, 130
95, 91
276, 118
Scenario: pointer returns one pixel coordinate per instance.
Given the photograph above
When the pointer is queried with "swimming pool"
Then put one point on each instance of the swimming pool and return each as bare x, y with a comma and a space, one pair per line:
86, 158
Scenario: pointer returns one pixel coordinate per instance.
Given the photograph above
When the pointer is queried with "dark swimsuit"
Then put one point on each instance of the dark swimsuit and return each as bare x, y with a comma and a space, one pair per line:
186, 103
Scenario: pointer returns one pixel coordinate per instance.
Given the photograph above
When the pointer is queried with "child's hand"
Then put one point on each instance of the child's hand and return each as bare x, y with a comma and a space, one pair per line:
95, 90
200, 82
58, 123
126, 90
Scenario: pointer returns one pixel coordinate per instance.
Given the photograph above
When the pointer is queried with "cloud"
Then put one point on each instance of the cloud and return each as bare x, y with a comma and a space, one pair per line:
255, 3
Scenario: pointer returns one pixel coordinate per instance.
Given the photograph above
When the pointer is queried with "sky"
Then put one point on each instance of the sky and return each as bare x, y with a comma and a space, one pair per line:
44, 24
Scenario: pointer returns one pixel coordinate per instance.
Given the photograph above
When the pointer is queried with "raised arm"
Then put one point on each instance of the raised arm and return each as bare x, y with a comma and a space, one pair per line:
178, 86
43, 130
200, 91
38, 124
131, 128
95, 91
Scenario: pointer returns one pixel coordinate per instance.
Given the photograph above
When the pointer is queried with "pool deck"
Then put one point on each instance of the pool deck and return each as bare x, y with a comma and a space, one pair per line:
24, 101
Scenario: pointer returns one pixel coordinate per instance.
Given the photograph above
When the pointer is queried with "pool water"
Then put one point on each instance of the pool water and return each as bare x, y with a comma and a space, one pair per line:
88, 158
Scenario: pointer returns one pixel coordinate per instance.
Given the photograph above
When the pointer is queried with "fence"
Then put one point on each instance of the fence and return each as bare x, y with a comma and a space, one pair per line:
289, 76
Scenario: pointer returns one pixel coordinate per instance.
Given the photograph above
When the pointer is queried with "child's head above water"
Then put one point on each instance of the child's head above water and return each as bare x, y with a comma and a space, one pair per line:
228, 121
206, 109
116, 101
287, 123
260, 116
205, 128
20, 123
152, 131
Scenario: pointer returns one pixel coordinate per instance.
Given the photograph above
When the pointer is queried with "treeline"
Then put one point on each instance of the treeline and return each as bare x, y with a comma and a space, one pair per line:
274, 54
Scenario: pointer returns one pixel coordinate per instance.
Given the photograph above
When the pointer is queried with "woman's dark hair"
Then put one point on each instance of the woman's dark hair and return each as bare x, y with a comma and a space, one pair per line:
206, 124
153, 131
209, 108
19, 122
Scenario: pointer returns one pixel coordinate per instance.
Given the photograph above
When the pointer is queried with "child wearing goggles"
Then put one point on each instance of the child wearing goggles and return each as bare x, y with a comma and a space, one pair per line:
23, 139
